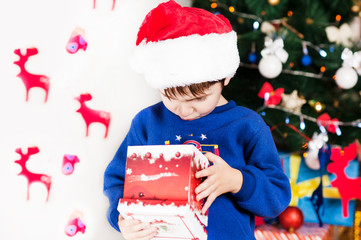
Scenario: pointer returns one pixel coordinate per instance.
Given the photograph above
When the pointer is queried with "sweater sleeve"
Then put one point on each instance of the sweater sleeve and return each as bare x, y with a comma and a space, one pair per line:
266, 189
114, 176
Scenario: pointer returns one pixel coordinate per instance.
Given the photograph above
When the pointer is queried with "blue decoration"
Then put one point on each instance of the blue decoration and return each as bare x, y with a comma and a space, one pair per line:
306, 60
252, 57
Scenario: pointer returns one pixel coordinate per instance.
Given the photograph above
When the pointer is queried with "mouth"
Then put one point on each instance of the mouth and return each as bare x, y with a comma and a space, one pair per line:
188, 119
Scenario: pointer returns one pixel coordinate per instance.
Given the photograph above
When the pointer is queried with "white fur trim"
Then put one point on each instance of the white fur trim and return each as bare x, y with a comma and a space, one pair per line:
187, 60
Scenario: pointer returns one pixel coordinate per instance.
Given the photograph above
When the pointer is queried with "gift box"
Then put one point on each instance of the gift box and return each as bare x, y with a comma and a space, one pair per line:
309, 231
159, 188
304, 182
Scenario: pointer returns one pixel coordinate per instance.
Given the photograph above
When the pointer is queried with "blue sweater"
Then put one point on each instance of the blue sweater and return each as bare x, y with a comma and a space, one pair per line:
244, 141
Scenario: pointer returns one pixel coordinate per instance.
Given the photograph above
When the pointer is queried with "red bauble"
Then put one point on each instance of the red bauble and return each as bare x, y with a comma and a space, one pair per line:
291, 218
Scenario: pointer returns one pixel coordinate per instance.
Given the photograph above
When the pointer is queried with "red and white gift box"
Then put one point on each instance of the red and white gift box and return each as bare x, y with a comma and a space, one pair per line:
308, 231
159, 188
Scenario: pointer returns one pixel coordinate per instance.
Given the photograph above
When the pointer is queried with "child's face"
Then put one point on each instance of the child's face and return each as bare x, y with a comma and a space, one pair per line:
189, 107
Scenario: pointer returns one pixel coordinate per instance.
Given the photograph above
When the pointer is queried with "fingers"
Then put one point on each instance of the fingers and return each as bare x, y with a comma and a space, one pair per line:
204, 190
134, 229
212, 157
208, 203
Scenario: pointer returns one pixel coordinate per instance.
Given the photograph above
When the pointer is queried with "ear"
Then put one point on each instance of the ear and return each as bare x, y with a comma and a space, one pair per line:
226, 81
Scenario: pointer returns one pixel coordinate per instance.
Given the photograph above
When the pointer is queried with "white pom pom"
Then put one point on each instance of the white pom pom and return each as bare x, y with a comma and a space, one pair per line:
270, 66
346, 77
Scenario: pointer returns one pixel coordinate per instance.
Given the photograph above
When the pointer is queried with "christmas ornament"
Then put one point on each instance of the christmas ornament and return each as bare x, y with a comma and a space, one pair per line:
317, 142
349, 188
31, 80
273, 2
273, 55
92, 116
252, 57
270, 67
68, 164
76, 41
330, 125
346, 77
271, 97
342, 35
30, 176
75, 224
292, 101
306, 60
267, 28
291, 218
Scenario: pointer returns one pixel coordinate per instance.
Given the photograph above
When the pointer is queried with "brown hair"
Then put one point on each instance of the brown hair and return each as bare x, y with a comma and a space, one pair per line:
194, 89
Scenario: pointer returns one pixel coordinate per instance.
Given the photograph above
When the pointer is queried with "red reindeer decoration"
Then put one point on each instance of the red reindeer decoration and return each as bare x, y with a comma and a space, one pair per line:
31, 80
32, 177
348, 188
94, 3
92, 116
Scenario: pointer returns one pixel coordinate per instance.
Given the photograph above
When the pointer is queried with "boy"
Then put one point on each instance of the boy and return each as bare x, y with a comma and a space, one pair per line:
190, 54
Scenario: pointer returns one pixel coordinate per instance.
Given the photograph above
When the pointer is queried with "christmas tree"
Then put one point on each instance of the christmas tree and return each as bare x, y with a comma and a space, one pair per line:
300, 64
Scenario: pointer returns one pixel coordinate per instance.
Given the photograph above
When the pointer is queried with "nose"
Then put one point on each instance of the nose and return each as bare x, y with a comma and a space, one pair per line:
185, 110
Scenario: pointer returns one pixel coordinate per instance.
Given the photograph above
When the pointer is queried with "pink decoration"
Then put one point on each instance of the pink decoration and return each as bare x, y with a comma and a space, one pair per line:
92, 116
32, 177
68, 163
271, 97
31, 80
94, 3
330, 125
74, 226
349, 188
76, 41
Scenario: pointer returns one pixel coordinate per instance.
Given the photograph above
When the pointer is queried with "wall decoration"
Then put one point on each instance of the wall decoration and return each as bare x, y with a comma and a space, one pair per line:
75, 225
76, 41
31, 80
30, 176
68, 163
90, 115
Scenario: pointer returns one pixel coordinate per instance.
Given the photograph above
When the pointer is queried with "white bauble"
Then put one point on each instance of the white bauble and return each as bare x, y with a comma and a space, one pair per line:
270, 66
346, 77
311, 159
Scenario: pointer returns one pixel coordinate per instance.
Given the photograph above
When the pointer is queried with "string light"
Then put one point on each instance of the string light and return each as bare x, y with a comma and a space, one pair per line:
302, 123
318, 107
338, 131
287, 120
256, 25
355, 123
323, 53
214, 5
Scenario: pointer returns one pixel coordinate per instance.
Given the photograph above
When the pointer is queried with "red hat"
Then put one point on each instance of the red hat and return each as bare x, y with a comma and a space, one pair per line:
180, 46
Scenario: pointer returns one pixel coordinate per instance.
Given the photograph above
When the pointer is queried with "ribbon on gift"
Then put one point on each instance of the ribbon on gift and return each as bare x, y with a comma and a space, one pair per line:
307, 187
274, 47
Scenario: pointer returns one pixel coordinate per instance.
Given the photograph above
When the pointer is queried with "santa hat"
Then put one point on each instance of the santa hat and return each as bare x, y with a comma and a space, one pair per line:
180, 46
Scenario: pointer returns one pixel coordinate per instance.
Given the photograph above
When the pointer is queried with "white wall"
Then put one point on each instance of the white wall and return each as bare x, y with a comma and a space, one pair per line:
54, 127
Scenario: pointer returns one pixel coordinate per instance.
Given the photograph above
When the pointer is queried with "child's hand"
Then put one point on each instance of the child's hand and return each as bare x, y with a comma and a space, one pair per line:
134, 229
221, 178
